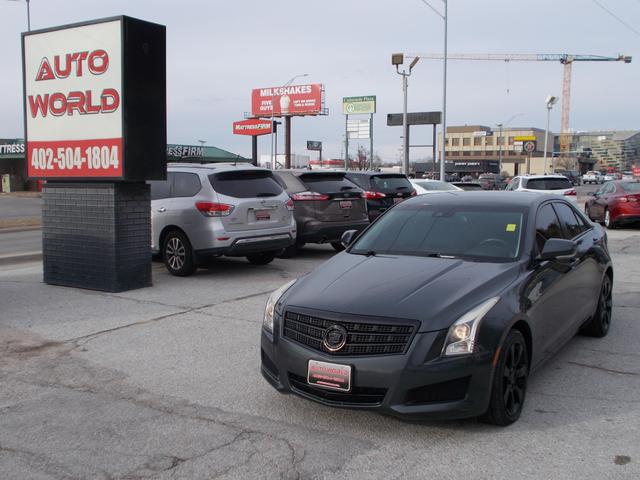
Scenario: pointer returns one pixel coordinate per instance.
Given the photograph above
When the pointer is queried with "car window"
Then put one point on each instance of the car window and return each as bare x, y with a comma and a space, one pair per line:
572, 224
630, 187
334, 182
159, 189
246, 184
361, 180
184, 184
290, 182
390, 183
548, 184
515, 183
435, 186
609, 188
437, 230
547, 226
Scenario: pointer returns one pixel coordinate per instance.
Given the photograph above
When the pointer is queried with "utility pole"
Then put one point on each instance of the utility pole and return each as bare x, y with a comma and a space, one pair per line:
551, 100
397, 59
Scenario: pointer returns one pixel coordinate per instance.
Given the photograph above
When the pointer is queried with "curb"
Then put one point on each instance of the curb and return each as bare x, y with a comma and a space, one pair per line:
13, 259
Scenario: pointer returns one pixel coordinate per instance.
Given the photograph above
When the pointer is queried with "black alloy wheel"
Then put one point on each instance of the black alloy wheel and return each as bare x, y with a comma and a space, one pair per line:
261, 258
337, 246
598, 326
509, 382
178, 254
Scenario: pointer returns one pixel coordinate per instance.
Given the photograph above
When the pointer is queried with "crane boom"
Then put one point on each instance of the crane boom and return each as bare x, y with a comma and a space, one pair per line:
565, 58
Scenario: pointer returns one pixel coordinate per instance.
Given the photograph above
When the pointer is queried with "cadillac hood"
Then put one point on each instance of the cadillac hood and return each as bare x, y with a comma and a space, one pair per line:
434, 291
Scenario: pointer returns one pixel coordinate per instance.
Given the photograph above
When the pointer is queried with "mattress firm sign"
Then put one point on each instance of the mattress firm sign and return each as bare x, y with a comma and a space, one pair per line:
75, 98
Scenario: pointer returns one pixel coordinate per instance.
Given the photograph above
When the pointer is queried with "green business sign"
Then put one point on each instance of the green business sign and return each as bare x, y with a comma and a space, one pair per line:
358, 105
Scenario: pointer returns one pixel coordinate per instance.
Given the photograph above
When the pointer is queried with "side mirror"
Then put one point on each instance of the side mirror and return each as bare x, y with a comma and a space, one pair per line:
558, 249
348, 237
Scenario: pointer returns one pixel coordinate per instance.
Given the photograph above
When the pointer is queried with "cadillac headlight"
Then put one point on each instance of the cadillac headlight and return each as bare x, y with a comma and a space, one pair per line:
270, 309
461, 338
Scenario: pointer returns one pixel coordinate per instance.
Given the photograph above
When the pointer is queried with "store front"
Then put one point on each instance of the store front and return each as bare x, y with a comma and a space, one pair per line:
13, 166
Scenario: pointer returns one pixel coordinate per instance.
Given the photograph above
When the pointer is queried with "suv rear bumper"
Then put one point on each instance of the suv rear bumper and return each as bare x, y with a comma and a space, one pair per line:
315, 231
245, 246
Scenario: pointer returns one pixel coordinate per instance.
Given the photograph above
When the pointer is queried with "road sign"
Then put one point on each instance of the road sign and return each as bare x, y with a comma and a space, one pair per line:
525, 138
415, 118
314, 145
358, 129
529, 146
359, 105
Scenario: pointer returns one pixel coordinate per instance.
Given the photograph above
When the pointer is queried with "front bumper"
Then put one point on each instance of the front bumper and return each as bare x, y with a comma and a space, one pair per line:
417, 385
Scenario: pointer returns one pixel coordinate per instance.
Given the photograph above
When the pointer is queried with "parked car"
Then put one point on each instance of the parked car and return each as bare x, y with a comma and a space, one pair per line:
491, 181
615, 203
573, 175
591, 177
424, 186
554, 184
467, 185
627, 176
442, 307
326, 205
209, 210
382, 190
608, 177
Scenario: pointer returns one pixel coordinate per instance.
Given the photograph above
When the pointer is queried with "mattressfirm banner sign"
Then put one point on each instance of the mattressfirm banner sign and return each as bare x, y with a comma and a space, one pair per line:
73, 96
291, 100
358, 105
252, 127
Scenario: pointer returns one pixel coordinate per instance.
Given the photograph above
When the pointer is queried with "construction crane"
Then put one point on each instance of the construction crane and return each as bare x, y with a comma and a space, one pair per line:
564, 58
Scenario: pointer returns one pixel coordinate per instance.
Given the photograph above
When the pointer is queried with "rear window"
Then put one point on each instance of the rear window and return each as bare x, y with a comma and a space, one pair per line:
390, 183
327, 182
245, 184
548, 184
435, 186
631, 187
469, 186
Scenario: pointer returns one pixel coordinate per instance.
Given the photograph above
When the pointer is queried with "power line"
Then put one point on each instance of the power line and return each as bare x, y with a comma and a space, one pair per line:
616, 17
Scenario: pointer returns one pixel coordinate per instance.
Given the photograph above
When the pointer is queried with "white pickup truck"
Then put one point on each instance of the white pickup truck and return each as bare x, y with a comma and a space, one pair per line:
592, 177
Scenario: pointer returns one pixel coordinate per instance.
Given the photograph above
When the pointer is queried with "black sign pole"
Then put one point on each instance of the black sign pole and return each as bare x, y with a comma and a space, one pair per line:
254, 150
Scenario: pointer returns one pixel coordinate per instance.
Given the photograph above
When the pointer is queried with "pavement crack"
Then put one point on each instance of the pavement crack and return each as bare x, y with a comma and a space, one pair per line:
603, 369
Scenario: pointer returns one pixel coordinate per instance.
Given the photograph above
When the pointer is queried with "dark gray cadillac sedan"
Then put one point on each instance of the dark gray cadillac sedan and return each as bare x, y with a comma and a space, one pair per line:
442, 307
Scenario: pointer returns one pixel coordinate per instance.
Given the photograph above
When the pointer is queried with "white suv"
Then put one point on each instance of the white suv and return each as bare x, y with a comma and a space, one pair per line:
554, 184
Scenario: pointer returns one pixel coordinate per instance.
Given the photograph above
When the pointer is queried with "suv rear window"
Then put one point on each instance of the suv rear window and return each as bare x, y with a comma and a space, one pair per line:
390, 183
245, 184
548, 184
327, 182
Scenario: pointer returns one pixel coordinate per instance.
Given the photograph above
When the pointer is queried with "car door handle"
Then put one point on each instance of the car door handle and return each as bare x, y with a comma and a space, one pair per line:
162, 209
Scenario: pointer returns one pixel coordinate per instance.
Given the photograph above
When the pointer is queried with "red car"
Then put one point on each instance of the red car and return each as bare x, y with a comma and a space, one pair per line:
615, 203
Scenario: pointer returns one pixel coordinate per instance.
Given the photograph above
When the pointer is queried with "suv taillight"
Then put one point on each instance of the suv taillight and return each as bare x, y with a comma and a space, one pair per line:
413, 193
213, 209
570, 192
373, 195
290, 205
309, 196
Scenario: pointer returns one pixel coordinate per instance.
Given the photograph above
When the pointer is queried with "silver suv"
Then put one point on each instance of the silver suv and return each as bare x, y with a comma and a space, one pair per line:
209, 210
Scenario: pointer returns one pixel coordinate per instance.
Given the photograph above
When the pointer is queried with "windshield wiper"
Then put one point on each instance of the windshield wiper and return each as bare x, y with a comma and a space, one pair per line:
439, 255
367, 253
266, 194
346, 187
401, 188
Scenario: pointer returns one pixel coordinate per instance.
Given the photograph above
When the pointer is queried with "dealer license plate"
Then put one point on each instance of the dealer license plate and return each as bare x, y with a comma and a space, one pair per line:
332, 376
345, 204
263, 215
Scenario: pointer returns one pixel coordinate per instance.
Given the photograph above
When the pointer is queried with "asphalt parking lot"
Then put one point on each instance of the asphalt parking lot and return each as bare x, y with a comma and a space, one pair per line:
164, 382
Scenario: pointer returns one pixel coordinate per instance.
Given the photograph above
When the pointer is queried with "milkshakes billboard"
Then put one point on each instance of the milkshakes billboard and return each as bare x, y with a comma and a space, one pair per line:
80, 82
291, 100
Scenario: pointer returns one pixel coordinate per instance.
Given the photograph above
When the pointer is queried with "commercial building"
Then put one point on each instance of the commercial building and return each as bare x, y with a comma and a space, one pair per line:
608, 150
297, 161
477, 149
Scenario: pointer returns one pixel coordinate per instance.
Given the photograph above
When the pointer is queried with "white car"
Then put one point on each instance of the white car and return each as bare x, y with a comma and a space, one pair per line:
554, 184
608, 177
424, 186
592, 177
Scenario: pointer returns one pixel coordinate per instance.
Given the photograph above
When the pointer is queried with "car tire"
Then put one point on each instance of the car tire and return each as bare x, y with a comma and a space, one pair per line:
598, 325
177, 254
337, 246
608, 222
261, 258
509, 385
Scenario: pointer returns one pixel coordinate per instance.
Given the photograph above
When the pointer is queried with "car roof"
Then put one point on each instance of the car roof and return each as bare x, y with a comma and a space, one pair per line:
369, 173
207, 168
487, 198
529, 177
299, 172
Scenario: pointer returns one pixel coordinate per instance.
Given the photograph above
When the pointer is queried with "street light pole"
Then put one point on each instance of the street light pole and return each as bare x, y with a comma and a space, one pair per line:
397, 59
273, 108
500, 149
551, 100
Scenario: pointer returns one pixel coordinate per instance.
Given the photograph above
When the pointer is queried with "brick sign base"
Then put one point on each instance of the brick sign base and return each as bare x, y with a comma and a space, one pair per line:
97, 235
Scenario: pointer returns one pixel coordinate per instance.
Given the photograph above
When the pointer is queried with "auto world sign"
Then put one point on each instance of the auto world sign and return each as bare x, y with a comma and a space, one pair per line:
80, 83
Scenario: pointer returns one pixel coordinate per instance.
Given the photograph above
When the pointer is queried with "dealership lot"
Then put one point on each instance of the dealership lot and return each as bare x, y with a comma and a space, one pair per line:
164, 382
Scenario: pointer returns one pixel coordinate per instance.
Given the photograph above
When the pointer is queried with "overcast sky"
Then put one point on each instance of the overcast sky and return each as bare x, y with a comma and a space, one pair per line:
217, 51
